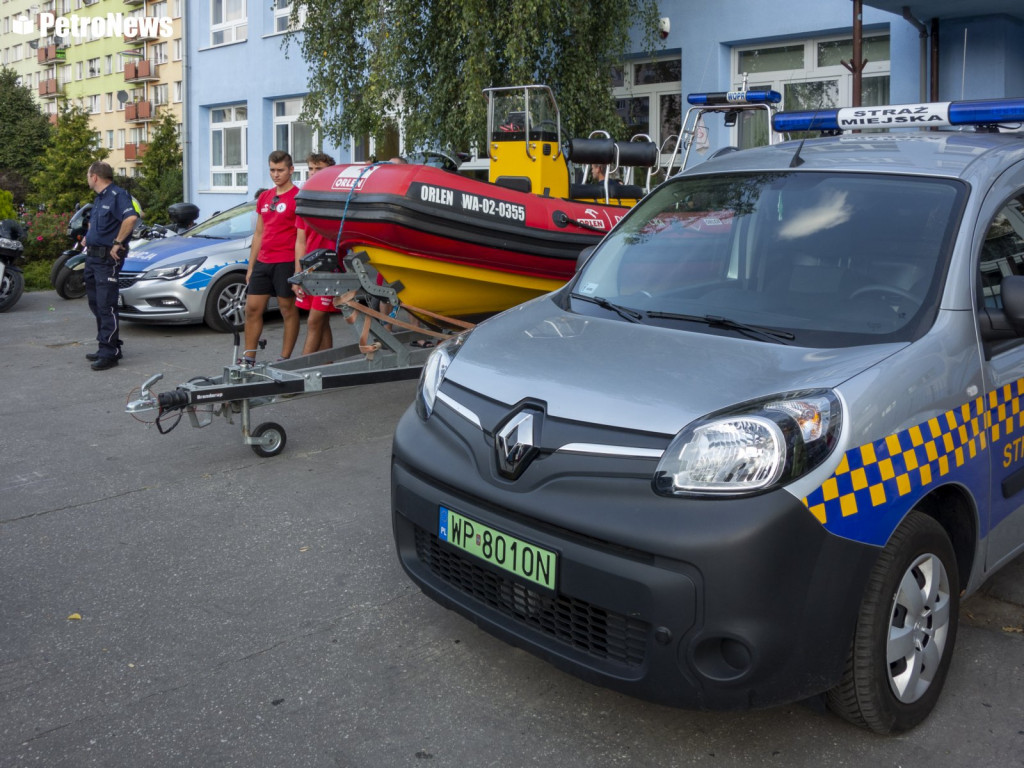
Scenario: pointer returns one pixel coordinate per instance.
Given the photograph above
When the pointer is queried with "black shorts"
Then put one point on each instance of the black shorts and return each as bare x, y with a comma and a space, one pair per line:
272, 279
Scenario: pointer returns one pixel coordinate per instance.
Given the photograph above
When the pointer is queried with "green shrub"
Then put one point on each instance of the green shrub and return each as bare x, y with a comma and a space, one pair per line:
7, 205
37, 275
47, 235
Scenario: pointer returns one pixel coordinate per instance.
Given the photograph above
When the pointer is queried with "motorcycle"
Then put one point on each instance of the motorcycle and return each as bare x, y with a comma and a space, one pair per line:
12, 281
67, 275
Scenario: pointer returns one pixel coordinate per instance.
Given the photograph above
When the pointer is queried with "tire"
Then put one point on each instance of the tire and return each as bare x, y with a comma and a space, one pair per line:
70, 283
59, 262
11, 288
909, 613
225, 304
278, 440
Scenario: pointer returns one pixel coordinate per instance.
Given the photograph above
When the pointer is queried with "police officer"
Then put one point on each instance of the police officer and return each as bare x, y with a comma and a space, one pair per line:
110, 225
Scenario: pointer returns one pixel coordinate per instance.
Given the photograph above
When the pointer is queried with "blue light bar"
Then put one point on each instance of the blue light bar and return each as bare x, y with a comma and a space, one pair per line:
725, 98
930, 115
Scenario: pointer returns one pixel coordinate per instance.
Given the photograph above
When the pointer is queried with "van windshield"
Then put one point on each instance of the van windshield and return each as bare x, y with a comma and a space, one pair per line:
817, 259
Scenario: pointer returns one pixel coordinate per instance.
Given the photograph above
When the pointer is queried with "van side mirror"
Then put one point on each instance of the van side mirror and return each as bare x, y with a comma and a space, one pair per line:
1007, 323
584, 256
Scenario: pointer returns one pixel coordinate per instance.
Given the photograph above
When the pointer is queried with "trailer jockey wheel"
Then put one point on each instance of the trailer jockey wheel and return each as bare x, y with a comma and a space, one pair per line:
272, 440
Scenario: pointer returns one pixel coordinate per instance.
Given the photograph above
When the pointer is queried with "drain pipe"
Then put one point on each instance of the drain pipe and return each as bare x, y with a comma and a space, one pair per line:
922, 31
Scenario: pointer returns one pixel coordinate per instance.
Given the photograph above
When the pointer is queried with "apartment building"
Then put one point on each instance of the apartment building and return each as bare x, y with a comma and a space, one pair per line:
120, 60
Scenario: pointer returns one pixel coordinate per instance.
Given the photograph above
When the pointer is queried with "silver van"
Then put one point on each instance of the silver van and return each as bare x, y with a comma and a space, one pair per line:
763, 443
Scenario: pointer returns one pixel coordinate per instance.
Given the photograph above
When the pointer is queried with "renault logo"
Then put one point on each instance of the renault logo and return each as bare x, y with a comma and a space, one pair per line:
516, 443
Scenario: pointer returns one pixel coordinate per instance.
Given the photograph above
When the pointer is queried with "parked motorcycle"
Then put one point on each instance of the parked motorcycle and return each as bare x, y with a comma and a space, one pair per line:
67, 275
12, 281
68, 280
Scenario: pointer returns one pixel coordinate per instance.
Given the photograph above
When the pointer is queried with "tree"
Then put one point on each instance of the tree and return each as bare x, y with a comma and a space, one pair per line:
161, 183
374, 64
23, 134
61, 182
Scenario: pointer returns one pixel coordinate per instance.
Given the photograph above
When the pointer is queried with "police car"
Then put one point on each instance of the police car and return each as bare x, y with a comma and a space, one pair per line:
764, 442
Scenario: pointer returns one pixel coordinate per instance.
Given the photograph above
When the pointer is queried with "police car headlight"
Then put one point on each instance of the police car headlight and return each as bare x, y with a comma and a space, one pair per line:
433, 373
175, 270
759, 447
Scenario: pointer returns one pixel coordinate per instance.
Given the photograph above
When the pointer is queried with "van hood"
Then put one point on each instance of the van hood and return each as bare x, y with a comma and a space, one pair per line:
637, 377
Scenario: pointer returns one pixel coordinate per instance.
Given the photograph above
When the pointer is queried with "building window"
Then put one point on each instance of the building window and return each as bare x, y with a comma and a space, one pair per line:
809, 75
292, 135
648, 97
228, 22
228, 157
282, 15
120, 138
94, 67
110, 102
178, 48
159, 94
159, 53
110, 139
177, 91
94, 104
176, 6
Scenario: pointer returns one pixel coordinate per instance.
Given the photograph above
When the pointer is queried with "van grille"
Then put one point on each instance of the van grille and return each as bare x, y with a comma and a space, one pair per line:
586, 627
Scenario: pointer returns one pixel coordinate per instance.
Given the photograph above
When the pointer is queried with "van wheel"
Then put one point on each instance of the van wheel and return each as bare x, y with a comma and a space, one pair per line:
905, 631
225, 304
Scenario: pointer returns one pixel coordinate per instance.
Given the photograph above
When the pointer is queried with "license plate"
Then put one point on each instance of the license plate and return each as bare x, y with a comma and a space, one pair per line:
528, 561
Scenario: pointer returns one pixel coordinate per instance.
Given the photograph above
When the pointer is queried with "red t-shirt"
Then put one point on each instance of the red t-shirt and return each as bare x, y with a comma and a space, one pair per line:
278, 214
314, 239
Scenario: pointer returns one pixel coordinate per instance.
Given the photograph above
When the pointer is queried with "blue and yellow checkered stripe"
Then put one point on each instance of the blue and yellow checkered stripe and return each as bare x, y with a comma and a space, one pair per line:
883, 479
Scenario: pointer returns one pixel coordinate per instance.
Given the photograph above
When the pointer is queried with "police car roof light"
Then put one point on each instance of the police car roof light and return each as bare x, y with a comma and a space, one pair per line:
928, 115
728, 98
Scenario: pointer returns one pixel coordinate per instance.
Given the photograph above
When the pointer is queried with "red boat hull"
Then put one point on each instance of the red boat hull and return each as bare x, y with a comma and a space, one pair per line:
417, 220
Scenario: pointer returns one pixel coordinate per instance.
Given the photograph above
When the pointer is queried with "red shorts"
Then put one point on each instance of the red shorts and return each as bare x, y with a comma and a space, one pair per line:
319, 303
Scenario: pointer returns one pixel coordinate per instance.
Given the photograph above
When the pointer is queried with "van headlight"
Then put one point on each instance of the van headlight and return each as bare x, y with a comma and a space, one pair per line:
433, 373
751, 449
174, 270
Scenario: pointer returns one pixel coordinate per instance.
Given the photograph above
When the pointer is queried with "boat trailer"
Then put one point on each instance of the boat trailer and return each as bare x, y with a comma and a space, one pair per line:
388, 349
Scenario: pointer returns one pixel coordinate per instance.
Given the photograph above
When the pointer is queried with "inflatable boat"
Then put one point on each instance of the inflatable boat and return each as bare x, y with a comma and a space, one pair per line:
465, 247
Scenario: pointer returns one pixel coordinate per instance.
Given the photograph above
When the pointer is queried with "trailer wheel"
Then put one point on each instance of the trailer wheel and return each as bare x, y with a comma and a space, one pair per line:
275, 440
906, 631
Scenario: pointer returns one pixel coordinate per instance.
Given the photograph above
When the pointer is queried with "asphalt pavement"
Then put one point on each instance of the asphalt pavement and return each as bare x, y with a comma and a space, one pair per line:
175, 600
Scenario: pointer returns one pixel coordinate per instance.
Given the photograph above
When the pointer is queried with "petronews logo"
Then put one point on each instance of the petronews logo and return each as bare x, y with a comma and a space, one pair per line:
111, 25
22, 25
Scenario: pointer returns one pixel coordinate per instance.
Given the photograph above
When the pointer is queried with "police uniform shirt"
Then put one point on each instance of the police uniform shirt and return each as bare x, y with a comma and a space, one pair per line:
111, 207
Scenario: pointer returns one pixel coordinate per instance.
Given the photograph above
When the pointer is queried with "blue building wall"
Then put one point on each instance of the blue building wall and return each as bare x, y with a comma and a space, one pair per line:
258, 71
255, 72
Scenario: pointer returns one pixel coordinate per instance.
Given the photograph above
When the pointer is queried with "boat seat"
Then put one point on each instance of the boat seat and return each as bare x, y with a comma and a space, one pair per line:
518, 183
616, 191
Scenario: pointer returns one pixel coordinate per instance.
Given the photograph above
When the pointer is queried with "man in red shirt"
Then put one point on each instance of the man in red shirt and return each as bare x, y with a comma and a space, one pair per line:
272, 259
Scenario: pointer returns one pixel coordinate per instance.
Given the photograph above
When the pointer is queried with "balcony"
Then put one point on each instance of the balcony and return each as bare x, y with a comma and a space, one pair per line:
140, 71
48, 54
138, 112
53, 119
134, 2
48, 88
134, 152
146, 33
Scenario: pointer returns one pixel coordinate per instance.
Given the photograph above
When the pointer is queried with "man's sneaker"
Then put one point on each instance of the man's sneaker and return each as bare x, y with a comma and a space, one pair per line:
104, 363
94, 356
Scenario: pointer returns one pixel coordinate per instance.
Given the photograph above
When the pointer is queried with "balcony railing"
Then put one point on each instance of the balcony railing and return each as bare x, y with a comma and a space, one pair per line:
47, 54
48, 88
134, 151
139, 111
140, 71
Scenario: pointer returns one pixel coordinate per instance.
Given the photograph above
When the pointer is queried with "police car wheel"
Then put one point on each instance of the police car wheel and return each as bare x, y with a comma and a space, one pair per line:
225, 303
905, 631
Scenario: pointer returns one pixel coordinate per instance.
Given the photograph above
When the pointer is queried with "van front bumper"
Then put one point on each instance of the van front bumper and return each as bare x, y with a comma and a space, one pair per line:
712, 604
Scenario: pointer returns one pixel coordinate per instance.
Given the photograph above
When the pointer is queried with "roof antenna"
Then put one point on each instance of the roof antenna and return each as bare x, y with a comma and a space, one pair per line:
963, 74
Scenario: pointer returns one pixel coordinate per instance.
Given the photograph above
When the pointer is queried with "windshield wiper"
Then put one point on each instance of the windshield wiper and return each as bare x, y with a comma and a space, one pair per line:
211, 237
624, 312
714, 321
